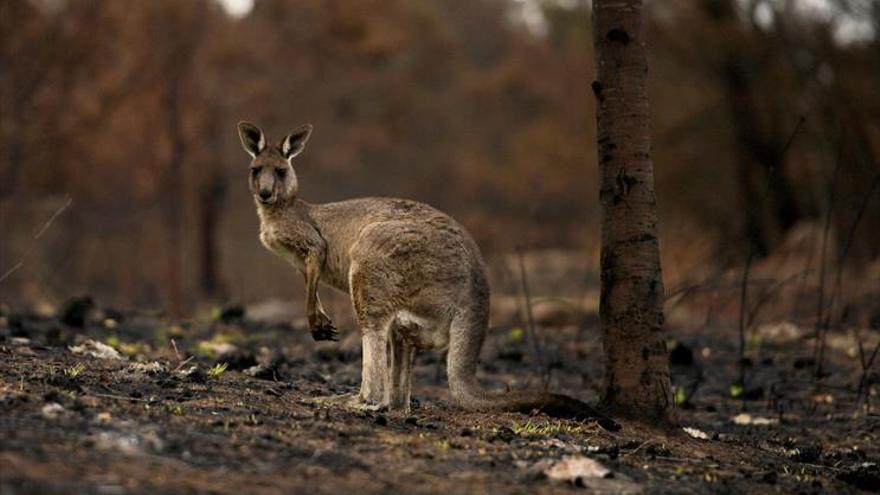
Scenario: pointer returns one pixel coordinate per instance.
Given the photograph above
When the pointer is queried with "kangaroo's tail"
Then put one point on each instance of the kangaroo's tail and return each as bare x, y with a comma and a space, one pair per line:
465, 340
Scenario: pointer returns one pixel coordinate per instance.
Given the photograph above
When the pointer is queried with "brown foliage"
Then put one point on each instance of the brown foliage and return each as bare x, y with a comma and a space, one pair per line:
129, 108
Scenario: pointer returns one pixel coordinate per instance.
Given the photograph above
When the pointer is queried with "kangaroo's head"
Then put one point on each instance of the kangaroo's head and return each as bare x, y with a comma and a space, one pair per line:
272, 178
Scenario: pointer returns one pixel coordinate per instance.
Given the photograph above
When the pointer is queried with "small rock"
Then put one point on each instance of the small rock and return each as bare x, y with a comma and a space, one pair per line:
575, 469
103, 418
153, 368
93, 348
76, 310
52, 410
748, 419
194, 374
261, 372
695, 433
681, 355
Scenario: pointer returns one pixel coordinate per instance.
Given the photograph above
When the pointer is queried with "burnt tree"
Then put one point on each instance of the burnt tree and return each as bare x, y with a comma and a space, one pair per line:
631, 306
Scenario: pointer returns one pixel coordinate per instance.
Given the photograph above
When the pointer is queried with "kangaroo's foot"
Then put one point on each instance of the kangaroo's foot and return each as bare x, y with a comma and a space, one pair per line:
352, 401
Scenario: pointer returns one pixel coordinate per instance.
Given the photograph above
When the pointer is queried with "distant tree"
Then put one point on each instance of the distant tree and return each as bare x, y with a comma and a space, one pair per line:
631, 306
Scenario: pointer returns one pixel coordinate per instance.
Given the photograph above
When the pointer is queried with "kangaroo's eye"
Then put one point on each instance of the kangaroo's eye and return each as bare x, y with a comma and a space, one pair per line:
282, 172
255, 172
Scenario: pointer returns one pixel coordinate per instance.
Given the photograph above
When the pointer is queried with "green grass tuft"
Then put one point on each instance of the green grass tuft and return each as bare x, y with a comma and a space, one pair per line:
217, 371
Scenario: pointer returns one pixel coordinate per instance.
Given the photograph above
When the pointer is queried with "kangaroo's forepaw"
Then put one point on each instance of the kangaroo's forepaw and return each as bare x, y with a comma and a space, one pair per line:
323, 329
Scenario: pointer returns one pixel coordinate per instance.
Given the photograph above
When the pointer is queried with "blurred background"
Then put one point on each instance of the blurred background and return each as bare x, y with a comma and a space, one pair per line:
121, 174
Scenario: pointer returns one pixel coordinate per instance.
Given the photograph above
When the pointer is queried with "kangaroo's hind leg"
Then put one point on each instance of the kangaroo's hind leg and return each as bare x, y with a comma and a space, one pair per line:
375, 361
399, 372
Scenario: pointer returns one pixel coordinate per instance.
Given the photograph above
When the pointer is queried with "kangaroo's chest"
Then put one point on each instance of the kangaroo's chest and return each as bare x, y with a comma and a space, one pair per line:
283, 244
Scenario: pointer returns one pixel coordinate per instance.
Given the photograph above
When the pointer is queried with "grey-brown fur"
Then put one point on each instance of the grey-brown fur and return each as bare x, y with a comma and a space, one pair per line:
415, 276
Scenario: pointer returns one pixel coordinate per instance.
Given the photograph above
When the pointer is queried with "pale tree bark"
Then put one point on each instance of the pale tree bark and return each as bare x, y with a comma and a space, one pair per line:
631, 305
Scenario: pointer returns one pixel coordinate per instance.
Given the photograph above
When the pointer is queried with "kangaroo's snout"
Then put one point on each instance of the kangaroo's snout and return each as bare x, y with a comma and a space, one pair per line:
265, 195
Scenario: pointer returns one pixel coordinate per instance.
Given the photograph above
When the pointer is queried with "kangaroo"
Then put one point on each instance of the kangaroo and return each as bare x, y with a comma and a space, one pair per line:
415, 276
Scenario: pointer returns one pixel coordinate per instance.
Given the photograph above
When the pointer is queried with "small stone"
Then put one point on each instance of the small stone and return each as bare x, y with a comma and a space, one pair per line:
695, 433
93, 348
194, 374
153, 368
681, 355
52, 410
575, 469
76, 310
261, 372
103, 418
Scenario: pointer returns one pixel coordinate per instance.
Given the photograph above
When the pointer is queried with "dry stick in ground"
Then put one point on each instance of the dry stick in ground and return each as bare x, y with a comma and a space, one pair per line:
835, 291
866, 366
745, 278
743, 297
769, 294
530, 321
176, 352
850, 234
821, 324
37, 236
180, 361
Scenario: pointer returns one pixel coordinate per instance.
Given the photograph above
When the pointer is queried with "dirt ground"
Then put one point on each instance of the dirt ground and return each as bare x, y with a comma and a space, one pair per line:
165, 417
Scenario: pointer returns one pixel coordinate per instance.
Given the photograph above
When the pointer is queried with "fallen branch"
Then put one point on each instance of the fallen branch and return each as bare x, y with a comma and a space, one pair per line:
530, 321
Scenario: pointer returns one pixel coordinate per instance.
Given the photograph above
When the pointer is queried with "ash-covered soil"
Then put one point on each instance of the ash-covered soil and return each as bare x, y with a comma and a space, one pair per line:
227, 404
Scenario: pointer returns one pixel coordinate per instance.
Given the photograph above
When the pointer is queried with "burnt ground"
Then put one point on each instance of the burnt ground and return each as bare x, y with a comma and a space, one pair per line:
157, 419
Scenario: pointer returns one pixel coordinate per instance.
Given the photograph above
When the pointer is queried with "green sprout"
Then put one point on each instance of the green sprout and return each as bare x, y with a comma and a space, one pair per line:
680, 396
217, 371
74, 371
736, 391
516, 335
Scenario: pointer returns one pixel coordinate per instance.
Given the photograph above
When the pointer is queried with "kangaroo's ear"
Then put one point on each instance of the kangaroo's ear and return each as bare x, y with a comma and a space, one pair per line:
295, 142
252, 138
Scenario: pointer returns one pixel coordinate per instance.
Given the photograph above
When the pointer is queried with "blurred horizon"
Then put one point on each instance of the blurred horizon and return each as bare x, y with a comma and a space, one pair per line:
121, 175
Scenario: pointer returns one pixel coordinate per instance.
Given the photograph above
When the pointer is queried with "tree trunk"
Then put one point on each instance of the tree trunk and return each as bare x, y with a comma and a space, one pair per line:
173, 202
631, 304
211, 204
768, 197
